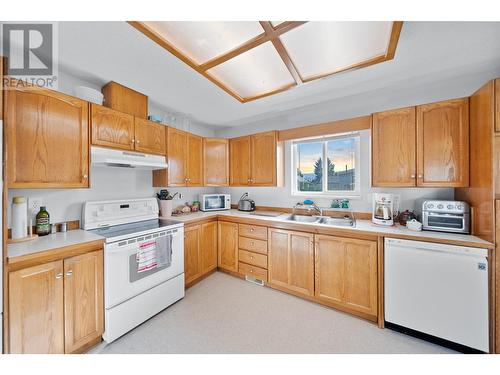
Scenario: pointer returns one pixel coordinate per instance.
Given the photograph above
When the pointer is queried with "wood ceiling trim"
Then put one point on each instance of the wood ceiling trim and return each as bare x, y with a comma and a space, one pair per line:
270, 34
280, 48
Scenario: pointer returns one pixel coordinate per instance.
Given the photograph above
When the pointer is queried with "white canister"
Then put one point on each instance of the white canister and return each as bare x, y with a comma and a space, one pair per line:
19, 218
166, 208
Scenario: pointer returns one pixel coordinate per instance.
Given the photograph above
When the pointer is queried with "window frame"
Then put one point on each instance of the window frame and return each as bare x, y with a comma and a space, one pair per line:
325, 193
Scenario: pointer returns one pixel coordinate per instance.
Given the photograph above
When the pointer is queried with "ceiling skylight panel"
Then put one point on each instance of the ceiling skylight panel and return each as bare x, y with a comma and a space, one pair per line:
202, 41
322, 48
256, 72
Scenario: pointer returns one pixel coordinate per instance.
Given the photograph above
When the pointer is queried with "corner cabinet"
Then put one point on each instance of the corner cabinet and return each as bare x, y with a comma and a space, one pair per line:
423, 146
291, 261
66, 296
256, 160
185, 160
346, 274
46, 139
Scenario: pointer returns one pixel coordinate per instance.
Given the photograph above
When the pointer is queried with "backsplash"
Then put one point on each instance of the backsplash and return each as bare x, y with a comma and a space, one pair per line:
106, 184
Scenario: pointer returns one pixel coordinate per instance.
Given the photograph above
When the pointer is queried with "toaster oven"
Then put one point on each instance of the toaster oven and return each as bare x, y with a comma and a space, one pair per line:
215, 202
444, 215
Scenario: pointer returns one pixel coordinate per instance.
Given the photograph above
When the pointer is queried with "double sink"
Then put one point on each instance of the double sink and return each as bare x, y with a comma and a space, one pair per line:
346, 221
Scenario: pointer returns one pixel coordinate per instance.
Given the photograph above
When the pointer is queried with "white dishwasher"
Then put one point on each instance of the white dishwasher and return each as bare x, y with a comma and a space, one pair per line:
439, 290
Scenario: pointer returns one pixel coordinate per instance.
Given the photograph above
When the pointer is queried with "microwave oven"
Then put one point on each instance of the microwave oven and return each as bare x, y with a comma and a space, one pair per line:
214, 202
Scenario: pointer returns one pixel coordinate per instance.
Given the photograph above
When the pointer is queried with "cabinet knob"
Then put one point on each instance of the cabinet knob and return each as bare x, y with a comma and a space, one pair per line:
59, 276
412, 176
137, 141
251, 271
251, 257
69, 273
251, 229
133, 140
85, 176
420, 176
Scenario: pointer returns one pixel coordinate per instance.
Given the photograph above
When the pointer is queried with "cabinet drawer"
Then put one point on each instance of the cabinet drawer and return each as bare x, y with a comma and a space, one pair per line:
253, 231
255, 259
250, 244
257, 272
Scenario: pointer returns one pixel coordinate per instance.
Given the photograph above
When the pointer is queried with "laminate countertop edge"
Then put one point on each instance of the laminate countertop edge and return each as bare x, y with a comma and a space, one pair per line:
363, 227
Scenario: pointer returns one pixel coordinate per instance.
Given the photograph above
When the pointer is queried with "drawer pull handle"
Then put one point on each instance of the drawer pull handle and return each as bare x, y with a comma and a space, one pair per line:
69, 273
251, 229
251, 257
59, 276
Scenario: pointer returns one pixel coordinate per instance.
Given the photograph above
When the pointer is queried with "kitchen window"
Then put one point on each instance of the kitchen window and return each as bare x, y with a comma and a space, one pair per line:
339, 176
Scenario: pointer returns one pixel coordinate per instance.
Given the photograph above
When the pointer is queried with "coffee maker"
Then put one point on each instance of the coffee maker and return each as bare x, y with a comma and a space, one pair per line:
383, 208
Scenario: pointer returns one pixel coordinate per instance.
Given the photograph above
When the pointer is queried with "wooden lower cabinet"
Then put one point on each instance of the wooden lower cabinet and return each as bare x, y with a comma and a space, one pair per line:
83, 300
291, 260
57, 307
346, 273
36, 309
200, 250
228, 246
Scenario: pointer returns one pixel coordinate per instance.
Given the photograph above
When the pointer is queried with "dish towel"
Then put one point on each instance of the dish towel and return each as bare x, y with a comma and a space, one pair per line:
147, 256
164, 251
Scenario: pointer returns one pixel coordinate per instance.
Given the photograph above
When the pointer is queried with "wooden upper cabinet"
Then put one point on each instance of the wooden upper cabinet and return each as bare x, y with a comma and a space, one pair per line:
177, 153
36, 309
239, 153
194, 165
394, 148
47, 138
192, 253
443, 144
227, 246
208, 246
291, 260
125, 100
346, 273
263, 159
83, 300
150, 137
111, 128
216, 161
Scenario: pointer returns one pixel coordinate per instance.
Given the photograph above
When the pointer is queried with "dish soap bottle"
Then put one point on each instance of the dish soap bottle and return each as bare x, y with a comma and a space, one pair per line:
42, 222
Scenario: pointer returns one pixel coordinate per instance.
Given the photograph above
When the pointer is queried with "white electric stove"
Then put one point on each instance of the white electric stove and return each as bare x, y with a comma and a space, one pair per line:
143, 261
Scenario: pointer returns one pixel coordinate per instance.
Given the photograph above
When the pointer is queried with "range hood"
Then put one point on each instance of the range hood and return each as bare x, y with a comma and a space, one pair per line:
106, 157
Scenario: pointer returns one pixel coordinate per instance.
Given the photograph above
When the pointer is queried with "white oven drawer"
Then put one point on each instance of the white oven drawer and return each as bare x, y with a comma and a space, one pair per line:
122, 282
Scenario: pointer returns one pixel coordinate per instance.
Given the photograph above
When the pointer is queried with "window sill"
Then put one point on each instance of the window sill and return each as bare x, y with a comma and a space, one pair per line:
355, 196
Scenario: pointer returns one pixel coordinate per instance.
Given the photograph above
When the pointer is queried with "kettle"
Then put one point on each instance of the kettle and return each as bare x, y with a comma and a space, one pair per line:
246, 204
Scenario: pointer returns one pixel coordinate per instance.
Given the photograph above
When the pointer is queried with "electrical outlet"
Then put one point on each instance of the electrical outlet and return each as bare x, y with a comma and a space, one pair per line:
34, 204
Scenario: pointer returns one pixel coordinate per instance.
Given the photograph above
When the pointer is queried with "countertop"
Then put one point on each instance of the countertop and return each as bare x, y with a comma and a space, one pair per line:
51, 242
365, 226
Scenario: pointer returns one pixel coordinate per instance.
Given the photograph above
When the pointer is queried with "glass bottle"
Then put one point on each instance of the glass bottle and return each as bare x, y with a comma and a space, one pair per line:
42, 222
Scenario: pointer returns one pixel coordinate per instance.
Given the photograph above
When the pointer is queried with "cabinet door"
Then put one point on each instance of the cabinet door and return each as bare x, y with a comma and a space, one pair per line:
208, 246
194, 160
239, 154
36, 305
192, 254
47, 139
443, 144
263, 159
111, 128
150, 137
346, 273
228, 246
216, 161
393, 148
83, 300
497, 106
329, 258
177, 153
291, 260
360, 276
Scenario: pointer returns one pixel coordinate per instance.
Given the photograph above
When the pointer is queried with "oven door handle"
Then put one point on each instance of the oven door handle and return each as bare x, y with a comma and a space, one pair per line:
453, 216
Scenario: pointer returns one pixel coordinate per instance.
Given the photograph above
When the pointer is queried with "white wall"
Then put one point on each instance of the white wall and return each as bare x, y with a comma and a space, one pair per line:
282, 196
106, 183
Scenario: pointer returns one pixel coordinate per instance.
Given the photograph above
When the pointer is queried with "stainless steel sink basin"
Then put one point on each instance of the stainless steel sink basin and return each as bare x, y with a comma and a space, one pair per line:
303, 218
337, 221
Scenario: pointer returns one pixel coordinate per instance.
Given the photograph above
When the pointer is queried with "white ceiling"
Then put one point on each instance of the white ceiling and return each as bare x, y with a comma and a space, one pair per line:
431, 51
